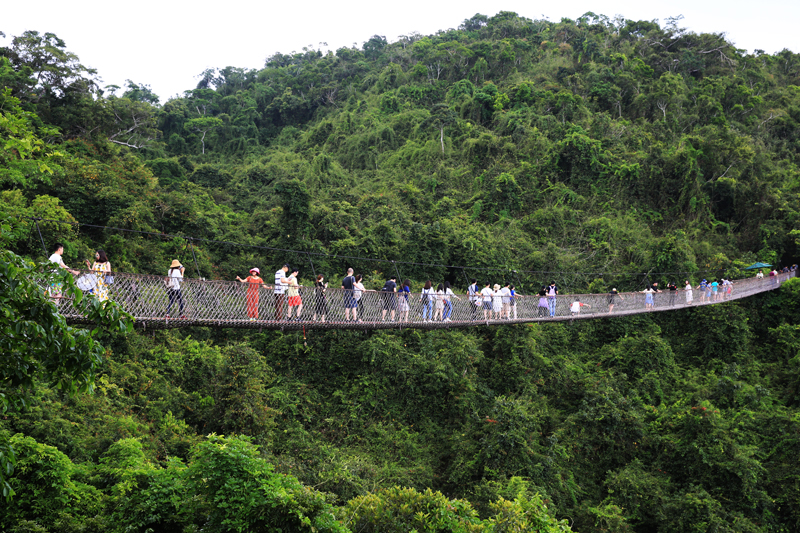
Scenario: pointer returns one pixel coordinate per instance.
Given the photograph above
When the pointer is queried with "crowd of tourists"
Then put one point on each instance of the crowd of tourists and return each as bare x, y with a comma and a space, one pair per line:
395, 301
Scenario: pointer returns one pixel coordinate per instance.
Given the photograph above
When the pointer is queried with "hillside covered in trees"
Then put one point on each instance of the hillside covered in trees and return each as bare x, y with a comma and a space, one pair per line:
604, 152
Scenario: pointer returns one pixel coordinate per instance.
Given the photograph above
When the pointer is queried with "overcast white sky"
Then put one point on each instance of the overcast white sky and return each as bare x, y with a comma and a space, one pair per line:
167, 43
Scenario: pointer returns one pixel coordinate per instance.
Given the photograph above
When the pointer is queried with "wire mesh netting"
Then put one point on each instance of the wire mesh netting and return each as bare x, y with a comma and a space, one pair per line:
160, 302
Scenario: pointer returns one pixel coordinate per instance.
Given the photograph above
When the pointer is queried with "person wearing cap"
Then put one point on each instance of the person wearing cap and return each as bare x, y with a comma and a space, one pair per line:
611, 296
293, 293
280, 290
174, 280
251, 297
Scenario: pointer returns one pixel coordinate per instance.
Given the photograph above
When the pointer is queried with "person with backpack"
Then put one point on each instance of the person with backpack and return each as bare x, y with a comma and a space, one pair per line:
389, 302
426, 297
552, 292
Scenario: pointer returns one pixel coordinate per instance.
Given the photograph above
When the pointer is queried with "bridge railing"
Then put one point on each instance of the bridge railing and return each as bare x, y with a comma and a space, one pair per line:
152, 300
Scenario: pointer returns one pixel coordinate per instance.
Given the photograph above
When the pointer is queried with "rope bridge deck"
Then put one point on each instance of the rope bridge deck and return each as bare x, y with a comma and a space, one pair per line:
229, 305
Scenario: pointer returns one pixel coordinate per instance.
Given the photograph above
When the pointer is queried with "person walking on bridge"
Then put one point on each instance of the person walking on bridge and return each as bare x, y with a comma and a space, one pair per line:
612, 296
254, 282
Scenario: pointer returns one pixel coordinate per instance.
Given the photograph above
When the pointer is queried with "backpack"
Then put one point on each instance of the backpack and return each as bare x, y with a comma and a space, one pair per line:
387, 288
426, 295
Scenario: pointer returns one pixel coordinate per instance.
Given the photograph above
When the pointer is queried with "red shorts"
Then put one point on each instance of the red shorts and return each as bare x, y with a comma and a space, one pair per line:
295, 301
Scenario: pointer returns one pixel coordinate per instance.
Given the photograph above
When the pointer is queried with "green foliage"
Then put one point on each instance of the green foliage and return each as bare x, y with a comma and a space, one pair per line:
603, 153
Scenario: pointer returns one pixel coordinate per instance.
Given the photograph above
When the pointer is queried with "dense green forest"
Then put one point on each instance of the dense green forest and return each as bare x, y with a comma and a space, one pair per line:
605, 152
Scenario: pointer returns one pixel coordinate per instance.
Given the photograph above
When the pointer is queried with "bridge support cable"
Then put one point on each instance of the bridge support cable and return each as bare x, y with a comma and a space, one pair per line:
40, 237
196, 266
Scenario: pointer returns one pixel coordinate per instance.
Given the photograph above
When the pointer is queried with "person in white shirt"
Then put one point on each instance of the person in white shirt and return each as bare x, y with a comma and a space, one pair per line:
497, 302
281, 282
174, 280
487, 294
58, 251
760, 274
505, 292
575, 308
688, 289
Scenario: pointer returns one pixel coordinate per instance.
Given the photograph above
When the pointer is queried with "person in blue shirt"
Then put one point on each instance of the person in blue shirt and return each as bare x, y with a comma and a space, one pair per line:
402, 301
703, 287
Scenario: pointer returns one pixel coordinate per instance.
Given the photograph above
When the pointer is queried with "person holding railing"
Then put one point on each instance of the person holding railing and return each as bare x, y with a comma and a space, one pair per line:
101, 268
58, 251
251, 296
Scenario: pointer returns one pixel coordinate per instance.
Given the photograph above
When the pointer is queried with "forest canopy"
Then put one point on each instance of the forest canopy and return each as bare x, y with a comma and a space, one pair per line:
602, 152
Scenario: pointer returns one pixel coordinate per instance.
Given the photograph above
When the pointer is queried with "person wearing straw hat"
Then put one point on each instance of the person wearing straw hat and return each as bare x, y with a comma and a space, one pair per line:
251, 297
174, 280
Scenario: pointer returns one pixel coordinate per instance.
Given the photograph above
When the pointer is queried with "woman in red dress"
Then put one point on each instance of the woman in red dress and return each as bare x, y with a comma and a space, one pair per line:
251, 297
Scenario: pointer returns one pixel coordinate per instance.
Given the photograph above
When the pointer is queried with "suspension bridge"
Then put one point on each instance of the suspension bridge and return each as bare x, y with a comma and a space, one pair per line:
226, 304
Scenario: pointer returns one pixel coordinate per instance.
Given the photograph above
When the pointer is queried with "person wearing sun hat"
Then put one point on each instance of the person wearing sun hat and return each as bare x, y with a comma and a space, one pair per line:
174, 280
251, 297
